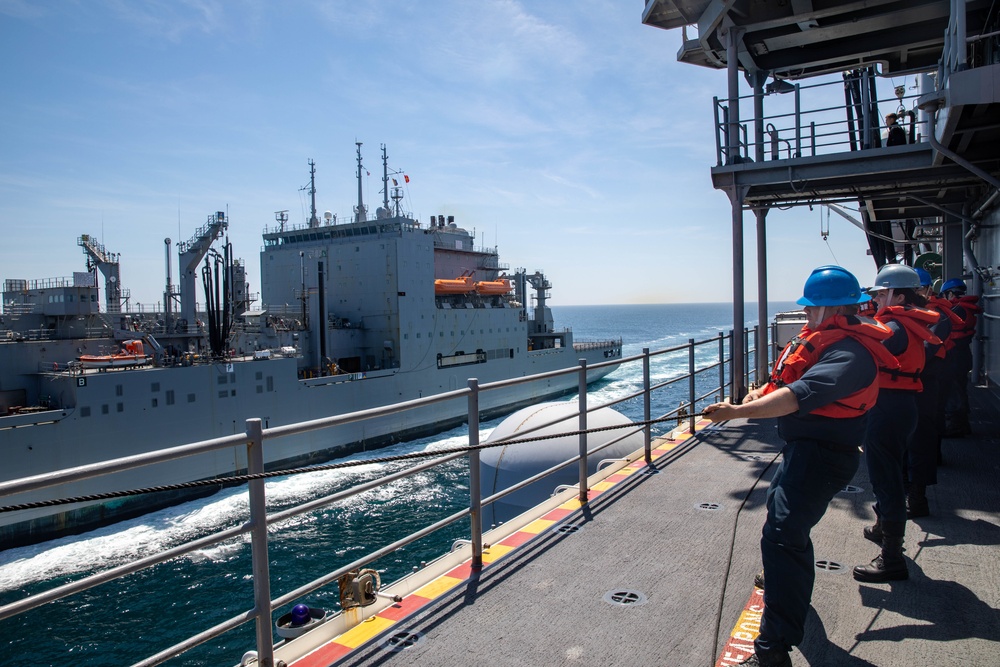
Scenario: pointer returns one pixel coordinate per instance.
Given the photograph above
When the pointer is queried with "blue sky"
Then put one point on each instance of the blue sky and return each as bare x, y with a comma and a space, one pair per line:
566, 134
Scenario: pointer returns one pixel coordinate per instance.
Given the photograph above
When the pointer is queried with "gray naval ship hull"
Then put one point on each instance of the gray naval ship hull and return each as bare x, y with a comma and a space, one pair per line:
353, 316
130, 412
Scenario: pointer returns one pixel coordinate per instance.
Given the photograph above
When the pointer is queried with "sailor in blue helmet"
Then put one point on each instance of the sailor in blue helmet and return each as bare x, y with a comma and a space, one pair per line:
924, 451
959, 357
893, 419
821, 389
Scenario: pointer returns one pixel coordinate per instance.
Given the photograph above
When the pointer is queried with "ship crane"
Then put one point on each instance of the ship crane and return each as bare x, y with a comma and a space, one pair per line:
107, 263
189, 255
542, 321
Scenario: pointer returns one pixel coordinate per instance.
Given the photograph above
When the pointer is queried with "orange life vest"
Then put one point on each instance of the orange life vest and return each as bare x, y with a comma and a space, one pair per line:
916, 322
943, 306
804, 351
967, 329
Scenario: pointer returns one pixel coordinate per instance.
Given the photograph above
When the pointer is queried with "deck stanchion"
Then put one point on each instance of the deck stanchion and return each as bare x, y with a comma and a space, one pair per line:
722, 367
258, 544
798, 122
757, 372
646, 430
746, 359
733, 371
582, 402
691, 395
475, 483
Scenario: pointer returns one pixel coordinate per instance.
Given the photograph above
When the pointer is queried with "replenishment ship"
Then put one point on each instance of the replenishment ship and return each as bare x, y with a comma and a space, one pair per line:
352, 315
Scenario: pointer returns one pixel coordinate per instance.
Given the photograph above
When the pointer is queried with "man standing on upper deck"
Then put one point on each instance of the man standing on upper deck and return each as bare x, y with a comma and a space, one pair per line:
822, 387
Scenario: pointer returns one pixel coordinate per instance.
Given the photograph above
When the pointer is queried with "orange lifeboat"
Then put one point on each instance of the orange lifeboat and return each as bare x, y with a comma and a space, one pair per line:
462, 285
132, 354
493, 287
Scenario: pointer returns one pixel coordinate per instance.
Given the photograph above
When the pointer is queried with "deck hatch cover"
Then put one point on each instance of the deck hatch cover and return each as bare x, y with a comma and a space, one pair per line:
829, 566
624, 598
568, 528
400, 641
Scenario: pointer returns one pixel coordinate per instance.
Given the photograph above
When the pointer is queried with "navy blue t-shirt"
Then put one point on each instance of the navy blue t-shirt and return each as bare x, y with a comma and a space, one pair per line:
843, 369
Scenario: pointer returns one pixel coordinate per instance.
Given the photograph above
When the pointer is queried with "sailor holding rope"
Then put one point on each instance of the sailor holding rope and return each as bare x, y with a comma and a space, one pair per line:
822, 387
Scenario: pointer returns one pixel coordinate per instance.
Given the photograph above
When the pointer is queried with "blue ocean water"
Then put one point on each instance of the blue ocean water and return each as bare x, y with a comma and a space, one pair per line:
127, 620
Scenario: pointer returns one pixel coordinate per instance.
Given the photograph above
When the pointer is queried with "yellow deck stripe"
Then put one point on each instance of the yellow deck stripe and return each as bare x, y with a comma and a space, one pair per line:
437, 587
364, 631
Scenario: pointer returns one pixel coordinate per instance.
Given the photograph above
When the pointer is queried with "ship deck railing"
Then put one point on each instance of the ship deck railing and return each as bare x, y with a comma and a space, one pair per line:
829, 125
708, 378
585, 345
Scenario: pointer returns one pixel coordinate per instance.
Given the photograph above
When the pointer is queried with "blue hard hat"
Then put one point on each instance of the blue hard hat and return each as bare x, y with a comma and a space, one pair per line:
925, 278
832, 286
953, 285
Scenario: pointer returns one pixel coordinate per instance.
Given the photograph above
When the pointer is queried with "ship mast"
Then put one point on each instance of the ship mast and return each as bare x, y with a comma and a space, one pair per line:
385, 181
360, 212
313, 220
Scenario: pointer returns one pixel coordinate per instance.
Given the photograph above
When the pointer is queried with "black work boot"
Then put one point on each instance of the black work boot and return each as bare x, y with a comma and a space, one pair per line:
888, 565
916, 502
756, 661
874, 533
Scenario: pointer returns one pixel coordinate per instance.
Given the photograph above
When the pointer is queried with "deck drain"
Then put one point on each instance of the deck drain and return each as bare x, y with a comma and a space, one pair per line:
568, 528
753, 457
850, 488
829, 566
624, 598
401, 641
650, 470
709, 507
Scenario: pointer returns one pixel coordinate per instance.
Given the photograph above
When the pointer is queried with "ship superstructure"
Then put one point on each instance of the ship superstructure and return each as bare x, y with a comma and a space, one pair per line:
823, 77
351, 316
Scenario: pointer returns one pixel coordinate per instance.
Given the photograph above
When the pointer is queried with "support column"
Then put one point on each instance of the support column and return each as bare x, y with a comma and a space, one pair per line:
757, 80
763, 349
733, 38
738, 344
952, 236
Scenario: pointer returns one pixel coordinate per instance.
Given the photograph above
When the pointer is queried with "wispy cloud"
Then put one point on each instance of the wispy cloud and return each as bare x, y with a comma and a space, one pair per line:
173, 20
22, 9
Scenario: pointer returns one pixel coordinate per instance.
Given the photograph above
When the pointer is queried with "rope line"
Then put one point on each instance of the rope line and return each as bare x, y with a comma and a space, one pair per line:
219, 481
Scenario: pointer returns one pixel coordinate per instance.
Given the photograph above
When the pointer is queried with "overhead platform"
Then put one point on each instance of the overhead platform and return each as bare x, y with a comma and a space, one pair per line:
803, 38
799, 39
897, 182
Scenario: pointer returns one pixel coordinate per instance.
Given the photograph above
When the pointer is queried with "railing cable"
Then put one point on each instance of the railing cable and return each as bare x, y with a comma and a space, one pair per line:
227, 481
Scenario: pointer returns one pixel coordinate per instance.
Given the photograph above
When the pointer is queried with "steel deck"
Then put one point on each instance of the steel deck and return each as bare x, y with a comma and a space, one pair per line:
684, 545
